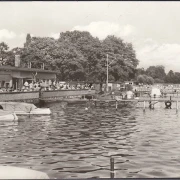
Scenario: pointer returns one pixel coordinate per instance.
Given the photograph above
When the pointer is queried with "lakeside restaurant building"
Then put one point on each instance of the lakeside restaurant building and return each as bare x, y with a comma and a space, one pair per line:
15, 77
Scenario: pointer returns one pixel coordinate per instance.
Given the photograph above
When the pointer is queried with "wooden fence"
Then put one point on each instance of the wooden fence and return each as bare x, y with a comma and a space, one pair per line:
35, 96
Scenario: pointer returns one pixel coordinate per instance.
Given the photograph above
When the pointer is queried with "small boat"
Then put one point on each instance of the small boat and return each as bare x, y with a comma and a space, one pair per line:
7, 116
23, 108
10, 172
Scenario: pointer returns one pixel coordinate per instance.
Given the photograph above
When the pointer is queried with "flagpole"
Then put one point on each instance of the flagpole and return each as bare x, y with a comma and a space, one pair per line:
107, 75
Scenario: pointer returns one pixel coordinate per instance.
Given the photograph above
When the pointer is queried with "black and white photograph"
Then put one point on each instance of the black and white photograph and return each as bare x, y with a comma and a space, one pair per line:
89, 89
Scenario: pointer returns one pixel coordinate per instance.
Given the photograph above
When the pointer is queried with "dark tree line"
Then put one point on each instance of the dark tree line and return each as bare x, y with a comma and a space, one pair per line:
77, 56
156, 74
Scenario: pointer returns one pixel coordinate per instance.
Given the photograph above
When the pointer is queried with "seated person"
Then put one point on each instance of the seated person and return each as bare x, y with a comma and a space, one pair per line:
23, 88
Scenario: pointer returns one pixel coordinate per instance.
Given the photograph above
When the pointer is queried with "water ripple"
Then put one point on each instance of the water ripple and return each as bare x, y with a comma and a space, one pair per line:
75, 143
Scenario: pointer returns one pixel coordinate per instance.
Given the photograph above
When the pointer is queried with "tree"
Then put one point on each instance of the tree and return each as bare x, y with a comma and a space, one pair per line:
123, 57
10, 59
170, 77
140, 71
28, 40
128, 87
176, 78
157, 80
3, 53
79, 56
156, 72
61, 56
91, 50
38, 51
141, 79
150, 80
95, 53
145, 79
68, 61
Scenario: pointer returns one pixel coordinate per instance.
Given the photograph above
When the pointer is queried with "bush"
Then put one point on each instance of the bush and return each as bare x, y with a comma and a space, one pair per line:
145, 79
129, 87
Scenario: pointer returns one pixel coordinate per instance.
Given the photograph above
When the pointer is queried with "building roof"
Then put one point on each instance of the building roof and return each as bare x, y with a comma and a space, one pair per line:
25, 69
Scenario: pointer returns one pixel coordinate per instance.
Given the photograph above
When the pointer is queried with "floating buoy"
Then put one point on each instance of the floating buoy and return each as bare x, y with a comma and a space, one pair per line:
86, 108
151, 106
168, 104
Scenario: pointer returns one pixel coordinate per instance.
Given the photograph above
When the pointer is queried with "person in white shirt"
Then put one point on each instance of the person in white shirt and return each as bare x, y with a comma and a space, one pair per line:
26, 84
23, 88
31, 85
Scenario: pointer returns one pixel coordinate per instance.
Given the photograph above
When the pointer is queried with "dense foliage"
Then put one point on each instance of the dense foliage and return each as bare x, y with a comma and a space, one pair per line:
144, 79
156, 74
78, 56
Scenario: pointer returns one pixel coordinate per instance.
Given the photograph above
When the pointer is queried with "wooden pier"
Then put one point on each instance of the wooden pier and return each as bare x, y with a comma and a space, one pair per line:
144, 103
36, 96
78, 96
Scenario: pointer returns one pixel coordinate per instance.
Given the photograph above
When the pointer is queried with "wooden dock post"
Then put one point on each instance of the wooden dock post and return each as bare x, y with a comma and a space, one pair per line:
116, 104
176, 106
111, 167
144, 106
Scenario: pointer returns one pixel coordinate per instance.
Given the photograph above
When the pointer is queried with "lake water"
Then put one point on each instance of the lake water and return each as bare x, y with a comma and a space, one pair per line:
75, 143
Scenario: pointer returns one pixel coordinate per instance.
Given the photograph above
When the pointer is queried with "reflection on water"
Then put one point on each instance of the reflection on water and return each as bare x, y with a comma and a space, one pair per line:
75, 143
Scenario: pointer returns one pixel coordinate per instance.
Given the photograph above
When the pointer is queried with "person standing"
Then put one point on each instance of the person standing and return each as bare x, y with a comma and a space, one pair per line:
26, 84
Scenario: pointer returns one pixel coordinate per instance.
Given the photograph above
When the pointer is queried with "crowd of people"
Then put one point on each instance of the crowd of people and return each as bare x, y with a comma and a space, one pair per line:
47, 86
163, 88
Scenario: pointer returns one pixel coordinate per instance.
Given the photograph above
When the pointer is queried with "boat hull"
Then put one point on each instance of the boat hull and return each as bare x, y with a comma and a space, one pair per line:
9, 117
10, 172
38, 111
23, 108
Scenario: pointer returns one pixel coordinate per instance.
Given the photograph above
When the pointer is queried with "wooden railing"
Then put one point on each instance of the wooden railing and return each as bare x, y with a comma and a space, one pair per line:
15, 96
43, 95
65, 93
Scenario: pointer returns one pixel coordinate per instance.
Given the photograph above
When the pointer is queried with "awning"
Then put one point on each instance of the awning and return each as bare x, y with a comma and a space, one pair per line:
45, 76
5, 77
17, 76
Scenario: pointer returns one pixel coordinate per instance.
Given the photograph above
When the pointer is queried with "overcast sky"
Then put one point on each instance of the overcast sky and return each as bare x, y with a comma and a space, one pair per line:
152, 27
